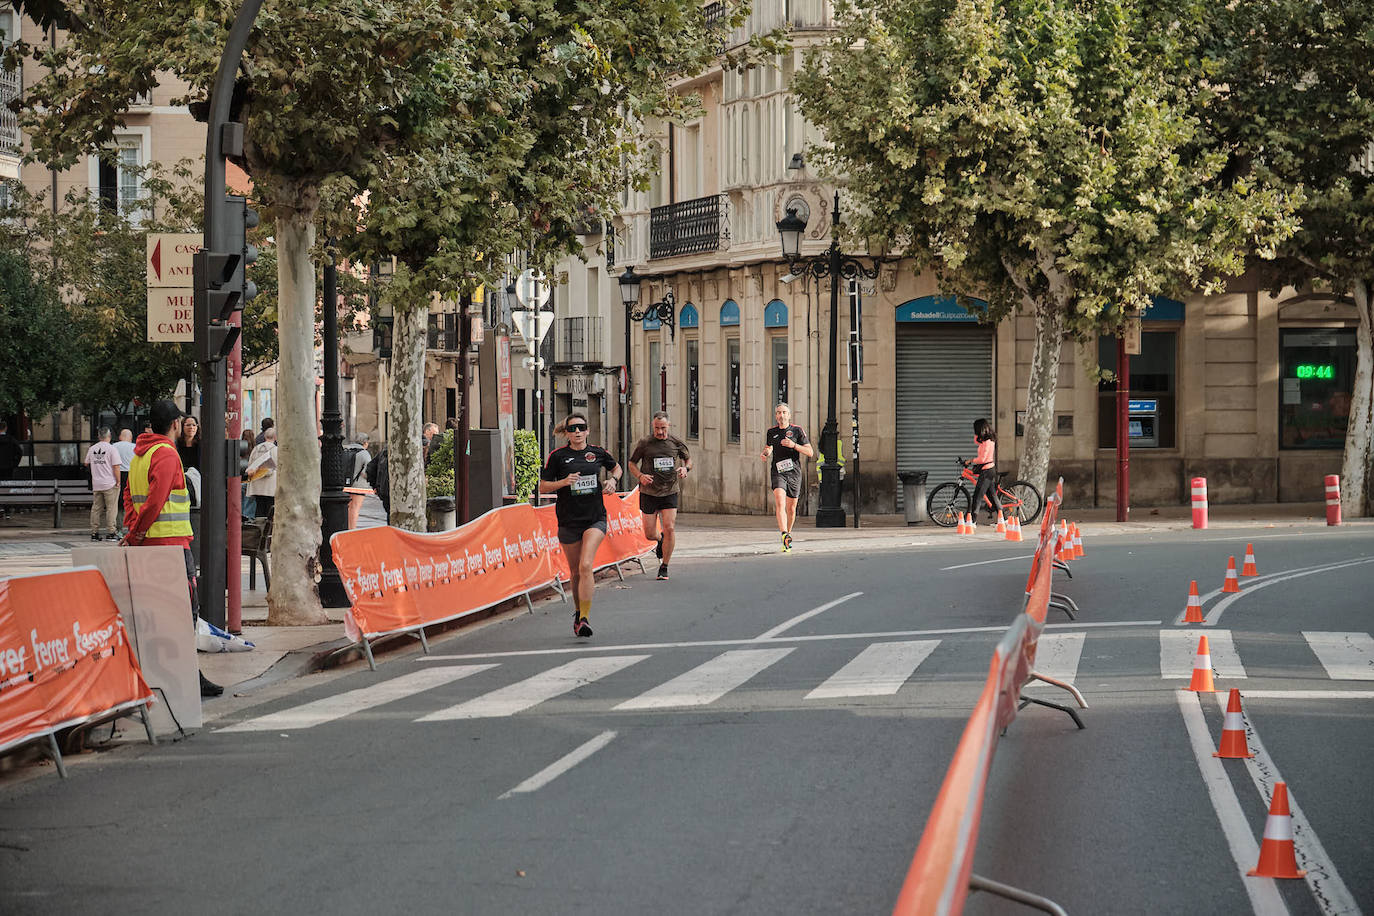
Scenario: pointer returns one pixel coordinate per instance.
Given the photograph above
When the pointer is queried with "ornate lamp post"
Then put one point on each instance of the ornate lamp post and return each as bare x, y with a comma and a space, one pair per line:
333, 458
665, 310
835, 265
533, 323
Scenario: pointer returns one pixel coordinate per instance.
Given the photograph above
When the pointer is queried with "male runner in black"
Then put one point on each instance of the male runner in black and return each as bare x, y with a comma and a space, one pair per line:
660, 462
783, 448
573, 472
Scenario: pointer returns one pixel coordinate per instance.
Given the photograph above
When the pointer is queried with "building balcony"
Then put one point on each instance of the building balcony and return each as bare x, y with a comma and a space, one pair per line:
689, 227
443, 332
578, 342
9, 121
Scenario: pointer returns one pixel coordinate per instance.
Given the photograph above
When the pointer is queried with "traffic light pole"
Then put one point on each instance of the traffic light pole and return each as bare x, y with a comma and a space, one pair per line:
215, 563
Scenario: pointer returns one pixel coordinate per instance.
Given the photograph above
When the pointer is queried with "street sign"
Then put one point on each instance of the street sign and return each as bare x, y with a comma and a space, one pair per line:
169, 258
170, 315
1133, 335
532, 289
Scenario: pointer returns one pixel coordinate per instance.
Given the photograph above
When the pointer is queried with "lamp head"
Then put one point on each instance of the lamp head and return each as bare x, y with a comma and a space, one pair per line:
790, 229
629, 287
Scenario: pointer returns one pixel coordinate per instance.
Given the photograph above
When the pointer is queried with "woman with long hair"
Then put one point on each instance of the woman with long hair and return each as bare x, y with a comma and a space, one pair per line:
574, 473
188, 443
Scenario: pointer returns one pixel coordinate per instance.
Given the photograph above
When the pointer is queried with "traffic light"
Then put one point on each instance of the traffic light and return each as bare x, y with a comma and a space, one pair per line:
221, 288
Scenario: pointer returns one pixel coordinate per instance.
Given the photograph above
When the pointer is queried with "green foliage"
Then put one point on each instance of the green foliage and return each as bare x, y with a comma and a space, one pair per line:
439, 473
527, 463
37, 340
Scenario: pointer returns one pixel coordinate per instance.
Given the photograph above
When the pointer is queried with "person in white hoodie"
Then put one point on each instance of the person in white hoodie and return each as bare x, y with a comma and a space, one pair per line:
262, 474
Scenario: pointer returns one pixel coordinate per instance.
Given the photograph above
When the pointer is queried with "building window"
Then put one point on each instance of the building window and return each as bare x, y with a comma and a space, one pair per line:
693, 390
1154, 378
779, 370
249, 418
119, 182
651, 378
1317, 368
520, 396
732, 385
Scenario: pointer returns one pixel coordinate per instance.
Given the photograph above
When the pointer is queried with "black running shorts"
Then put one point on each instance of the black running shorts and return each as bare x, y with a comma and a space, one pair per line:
649, 504
789, 482
572, 534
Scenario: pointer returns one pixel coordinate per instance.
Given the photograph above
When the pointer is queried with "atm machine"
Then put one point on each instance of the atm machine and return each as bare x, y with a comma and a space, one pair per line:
1142, 422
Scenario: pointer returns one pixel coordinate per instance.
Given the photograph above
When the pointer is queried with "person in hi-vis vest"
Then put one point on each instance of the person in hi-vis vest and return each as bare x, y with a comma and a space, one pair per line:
157, 506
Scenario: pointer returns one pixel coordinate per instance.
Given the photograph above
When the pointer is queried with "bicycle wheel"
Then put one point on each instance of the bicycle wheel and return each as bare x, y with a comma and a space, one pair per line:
946, 503
1027, 502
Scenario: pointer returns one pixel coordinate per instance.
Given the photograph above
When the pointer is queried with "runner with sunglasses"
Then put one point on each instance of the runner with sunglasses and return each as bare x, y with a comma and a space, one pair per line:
573, 472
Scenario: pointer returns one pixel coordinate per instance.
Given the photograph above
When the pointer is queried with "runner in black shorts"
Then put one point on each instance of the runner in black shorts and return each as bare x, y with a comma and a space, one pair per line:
659, 462
573, 472
783, 447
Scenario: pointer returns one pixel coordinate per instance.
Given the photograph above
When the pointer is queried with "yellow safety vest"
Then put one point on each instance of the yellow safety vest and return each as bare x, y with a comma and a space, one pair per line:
174, 520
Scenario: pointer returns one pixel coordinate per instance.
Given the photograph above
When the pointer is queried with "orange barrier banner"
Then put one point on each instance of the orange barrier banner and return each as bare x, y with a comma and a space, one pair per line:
401, 580
64, 657
624, 539
938, 879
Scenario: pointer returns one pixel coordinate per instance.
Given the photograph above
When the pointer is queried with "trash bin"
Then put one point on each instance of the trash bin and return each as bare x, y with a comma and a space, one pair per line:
914, 495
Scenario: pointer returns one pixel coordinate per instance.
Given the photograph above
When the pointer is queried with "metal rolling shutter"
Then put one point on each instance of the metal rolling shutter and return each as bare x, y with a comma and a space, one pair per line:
944, 383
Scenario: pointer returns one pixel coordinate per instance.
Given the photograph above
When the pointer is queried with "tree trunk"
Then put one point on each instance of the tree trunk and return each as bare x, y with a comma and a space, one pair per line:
293, 599
1040, 388
404, 460
1355, 465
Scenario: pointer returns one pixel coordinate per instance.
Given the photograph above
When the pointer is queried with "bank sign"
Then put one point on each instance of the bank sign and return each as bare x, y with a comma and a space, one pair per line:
170, 286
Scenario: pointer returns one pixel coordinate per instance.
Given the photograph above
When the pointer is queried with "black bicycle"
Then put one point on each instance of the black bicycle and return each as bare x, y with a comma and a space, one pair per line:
952, 499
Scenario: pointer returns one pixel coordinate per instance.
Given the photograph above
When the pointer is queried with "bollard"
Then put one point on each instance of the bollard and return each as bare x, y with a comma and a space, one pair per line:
1199, 502
1333, 499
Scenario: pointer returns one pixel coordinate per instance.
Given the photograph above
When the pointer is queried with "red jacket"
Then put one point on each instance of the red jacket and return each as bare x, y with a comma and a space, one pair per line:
164, 476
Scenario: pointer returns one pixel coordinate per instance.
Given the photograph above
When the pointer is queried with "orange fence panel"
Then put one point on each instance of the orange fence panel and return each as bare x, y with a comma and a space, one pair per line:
64, 656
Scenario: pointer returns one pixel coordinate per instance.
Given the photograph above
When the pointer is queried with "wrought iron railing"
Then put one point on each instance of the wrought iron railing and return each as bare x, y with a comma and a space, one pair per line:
579, 341
689, 227
443, 331
9, 121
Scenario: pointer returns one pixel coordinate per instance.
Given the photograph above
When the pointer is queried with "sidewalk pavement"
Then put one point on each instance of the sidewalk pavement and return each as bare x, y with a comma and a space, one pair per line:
27, 546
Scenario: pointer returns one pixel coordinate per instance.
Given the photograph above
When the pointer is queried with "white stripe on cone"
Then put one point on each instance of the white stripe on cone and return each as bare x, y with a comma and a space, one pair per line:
1279, 827
1234, 722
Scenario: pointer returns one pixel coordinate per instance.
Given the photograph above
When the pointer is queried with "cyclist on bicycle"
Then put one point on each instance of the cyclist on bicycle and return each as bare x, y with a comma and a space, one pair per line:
986, 466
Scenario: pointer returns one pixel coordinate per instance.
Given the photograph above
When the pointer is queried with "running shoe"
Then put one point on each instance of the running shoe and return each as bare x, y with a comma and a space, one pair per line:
584, 629
663, 571
577, 622
787, 541
658, 547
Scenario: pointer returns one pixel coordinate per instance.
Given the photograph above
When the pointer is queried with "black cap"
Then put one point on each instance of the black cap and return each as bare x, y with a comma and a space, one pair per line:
162, 415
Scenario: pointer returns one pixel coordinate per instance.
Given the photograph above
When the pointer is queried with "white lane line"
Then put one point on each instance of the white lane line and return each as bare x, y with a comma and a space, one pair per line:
308, 715
559, 767
1252, 583
532, 691
1310, 694
1215, 613
1345, 656
1057, 655
1178, 649
878, 671
1330, 892
707, 682
1264, 893
789, 624
1024, 556
711, 643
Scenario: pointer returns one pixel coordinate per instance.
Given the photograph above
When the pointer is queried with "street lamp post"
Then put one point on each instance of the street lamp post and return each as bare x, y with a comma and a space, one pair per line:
835, 265
665, 309
333, 458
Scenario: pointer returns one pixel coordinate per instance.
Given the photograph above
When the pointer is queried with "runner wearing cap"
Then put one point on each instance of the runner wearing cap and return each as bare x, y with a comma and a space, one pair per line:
659, 462
573, 472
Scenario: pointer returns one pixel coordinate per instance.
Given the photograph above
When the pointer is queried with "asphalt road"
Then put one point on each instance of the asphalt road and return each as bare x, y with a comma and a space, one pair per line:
725, 745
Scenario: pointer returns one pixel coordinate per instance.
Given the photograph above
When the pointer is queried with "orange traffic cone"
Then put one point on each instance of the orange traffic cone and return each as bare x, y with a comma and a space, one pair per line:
1001, 523
1077, 542
1202, 669
1278, 858
972, 527
961, 528
1233, 746
1249, 568
1232, 583
1194, 612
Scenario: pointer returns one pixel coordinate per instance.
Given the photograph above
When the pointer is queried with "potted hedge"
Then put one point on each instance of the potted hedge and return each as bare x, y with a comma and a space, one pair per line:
441, 509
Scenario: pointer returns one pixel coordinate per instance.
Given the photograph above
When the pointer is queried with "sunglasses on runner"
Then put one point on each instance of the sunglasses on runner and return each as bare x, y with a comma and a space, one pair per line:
577, 427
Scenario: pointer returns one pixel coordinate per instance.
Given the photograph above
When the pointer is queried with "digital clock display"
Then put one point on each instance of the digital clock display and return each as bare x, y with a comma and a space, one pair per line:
1314, 370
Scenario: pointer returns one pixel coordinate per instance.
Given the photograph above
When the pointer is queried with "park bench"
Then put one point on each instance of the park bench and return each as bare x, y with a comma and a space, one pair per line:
43, 493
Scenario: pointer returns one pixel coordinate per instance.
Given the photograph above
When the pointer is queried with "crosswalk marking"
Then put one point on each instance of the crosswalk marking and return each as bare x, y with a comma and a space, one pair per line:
707, 682
1345, 656
309, 715
1178, 648
1057, 655
532, 691
878, 671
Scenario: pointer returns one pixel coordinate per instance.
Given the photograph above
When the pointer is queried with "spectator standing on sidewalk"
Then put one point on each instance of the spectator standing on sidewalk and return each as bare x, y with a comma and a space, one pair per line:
262, 474
426, 437
262, 436
357, 479
379, 475
11, 452
103, 460
157, 508
188, 443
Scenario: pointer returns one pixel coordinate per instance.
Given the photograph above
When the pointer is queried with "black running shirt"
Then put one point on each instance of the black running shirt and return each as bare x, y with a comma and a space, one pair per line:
579, 504
786, 460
